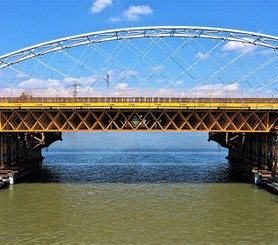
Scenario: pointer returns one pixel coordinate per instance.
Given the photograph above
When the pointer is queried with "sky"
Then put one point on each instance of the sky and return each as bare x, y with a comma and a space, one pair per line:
28, 22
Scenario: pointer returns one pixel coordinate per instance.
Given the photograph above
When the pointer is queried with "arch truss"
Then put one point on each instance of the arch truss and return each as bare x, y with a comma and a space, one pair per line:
169, 61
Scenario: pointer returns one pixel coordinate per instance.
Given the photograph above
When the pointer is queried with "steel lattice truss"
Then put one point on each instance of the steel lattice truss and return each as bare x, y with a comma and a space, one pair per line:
146, 62
139, 120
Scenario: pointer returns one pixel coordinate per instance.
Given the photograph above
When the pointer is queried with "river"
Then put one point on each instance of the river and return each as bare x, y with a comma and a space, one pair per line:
136, 188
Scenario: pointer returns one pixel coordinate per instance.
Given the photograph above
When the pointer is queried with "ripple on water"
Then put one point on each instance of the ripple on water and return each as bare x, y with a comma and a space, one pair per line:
142, 190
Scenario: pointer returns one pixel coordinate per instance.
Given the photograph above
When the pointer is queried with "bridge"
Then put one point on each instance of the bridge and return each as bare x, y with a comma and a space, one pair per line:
169, 78
138, 114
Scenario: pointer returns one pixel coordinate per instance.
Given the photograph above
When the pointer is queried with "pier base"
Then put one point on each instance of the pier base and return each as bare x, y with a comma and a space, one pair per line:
20, 153
255, 155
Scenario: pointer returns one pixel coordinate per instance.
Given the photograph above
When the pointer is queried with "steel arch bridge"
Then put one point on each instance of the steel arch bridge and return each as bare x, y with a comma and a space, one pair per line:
147, 78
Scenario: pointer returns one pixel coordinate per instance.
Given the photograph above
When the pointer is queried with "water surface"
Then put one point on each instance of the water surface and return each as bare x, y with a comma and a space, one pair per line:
136, 188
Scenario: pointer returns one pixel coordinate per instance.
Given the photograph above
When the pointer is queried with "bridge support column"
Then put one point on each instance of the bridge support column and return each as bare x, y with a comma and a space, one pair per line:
255, 153
20, 153
260, 149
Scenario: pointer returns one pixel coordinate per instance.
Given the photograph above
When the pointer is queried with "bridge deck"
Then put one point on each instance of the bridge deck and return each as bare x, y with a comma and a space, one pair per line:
138, 114
138, 103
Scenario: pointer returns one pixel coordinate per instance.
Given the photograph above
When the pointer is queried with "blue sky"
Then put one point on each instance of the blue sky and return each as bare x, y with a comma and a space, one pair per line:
25, 23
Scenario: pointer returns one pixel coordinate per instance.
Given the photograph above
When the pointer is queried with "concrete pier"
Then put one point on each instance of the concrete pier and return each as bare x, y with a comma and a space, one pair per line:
254, 154
20, 153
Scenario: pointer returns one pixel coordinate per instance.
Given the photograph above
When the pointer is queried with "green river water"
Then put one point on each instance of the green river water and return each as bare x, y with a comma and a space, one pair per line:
125, 188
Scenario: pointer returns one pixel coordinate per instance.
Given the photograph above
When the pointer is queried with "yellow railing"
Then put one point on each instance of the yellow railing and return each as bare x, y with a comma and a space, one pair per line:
137, 102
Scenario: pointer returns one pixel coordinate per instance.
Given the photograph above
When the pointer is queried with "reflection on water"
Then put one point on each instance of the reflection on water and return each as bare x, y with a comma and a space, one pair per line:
131, 188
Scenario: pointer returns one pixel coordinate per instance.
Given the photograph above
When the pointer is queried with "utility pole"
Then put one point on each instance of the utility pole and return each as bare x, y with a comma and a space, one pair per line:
75, 87
107, 82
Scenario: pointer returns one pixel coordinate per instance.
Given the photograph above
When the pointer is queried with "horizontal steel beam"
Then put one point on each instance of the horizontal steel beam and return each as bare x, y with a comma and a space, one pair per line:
65, 120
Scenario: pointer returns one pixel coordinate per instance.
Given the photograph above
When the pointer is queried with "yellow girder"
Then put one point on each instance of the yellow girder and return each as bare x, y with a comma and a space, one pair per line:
139, 105
69, 120
138, 114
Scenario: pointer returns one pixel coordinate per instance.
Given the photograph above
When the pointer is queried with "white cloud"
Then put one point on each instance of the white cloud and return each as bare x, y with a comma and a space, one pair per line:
232, 87
201, 55
121, 86
49, 92
159, 81
215, 90
115, 19
99, 5
178, 82
10, 92
238, 47
21, 75
217, 86
129, 73
81, 80
84, 82
111, 72
166, 92
39, 83
134, 12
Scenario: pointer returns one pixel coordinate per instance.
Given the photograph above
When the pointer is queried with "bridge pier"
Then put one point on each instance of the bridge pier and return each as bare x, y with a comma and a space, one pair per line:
254, 154
20, 153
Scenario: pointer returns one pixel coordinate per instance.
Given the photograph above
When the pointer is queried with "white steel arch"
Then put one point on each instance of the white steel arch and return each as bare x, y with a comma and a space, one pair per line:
146, 61
250, 38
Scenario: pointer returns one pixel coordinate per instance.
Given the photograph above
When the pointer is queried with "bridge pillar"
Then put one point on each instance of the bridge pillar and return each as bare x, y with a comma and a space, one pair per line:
254, 154
20, 153
260, 149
